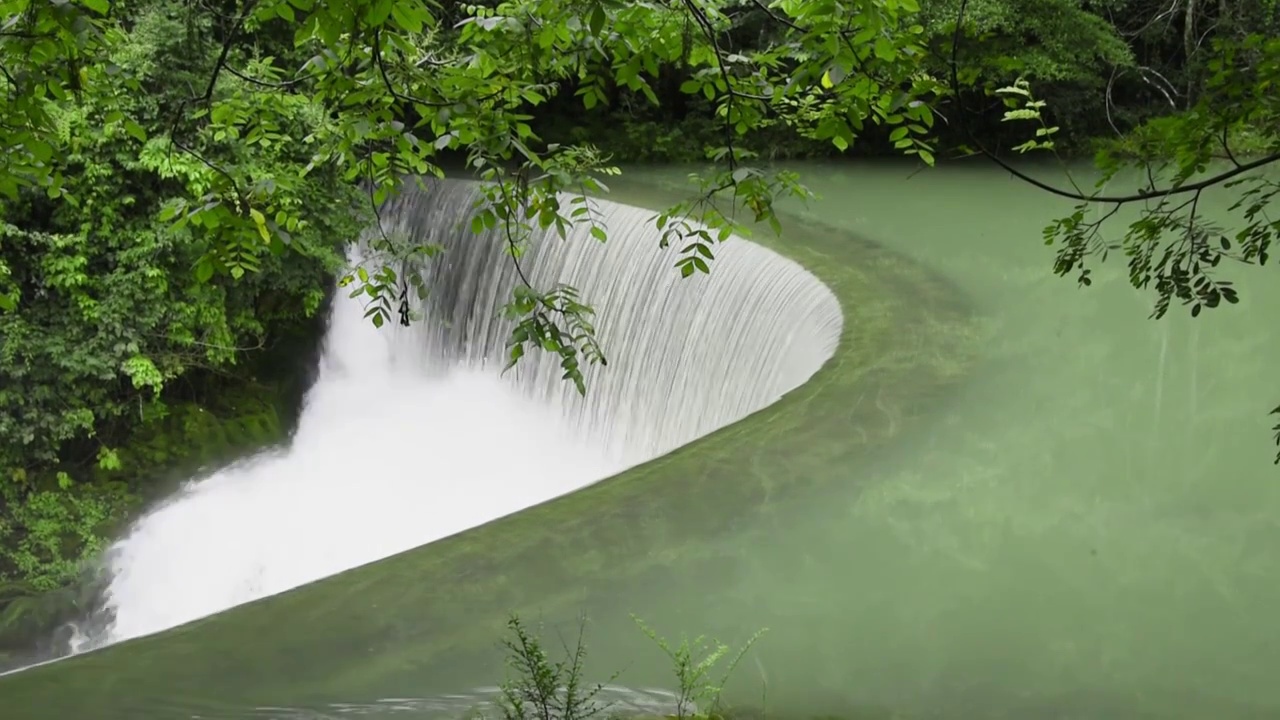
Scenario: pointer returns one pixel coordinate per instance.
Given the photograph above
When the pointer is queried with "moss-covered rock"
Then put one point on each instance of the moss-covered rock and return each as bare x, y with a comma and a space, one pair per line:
190, 436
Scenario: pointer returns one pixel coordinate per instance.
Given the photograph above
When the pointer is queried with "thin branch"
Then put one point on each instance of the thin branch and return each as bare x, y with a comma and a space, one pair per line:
778, 18
1226, 145
283, 85
386, 81
209, 164
709, 30
233, 33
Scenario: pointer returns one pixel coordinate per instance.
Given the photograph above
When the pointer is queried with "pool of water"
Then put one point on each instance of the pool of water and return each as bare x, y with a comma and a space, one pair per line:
1092, 529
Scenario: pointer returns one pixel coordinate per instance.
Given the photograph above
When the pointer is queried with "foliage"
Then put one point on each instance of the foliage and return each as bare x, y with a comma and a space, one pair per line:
114, 319
1172, 248
1066, 47
47, 57
112, 304
47, 533
696, 689
403, 83
543, 689
1045, 41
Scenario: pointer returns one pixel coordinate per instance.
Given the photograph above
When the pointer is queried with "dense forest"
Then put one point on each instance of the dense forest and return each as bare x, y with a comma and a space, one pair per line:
180, 179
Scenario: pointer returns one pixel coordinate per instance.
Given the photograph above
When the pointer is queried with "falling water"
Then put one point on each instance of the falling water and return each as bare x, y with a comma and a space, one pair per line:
413, 433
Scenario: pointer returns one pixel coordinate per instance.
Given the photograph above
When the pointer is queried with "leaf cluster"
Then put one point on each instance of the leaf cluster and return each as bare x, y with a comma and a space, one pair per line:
116, 283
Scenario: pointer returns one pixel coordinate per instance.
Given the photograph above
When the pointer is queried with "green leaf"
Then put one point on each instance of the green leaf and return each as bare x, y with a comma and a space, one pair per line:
135, 130
261, 222
885, 49
597, 20
408, 15
378, 12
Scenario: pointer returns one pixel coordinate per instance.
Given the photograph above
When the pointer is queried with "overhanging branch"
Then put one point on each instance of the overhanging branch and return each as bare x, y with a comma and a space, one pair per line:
1153, 193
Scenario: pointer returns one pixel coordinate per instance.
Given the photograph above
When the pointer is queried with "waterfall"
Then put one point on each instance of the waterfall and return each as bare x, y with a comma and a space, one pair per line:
411, 434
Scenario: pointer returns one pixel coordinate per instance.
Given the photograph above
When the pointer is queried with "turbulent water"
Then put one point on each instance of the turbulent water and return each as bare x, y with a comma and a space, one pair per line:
413, 434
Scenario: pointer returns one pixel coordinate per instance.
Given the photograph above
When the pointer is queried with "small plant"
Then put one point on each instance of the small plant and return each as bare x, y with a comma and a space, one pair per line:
1022, 105
698, 695
542, 689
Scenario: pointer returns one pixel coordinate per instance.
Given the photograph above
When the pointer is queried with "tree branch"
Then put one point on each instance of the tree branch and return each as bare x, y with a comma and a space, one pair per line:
1153, 193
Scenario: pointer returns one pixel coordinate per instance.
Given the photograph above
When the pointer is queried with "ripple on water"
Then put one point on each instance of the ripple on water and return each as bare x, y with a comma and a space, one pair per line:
614, 700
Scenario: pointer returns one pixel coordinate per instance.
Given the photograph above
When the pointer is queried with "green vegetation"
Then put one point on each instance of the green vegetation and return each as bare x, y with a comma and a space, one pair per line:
48, 532
180, 178
542, 689
122, 361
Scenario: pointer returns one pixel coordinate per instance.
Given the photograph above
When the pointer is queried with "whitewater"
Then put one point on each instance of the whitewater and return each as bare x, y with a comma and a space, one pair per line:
412, 434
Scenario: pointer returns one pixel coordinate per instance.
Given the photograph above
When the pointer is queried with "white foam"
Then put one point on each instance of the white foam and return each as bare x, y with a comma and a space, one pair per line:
412, 434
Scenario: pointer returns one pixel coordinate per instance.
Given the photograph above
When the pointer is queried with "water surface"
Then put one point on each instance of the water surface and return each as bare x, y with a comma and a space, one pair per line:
1091, 530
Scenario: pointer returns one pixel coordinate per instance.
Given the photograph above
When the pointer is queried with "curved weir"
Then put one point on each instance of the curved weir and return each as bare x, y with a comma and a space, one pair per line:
686, 357
410, 434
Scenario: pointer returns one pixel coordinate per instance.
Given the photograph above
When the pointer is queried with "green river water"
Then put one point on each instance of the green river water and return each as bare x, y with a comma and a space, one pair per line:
1090, 530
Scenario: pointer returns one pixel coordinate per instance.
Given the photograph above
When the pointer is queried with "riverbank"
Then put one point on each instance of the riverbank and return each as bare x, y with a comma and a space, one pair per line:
52, 539
52, 534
